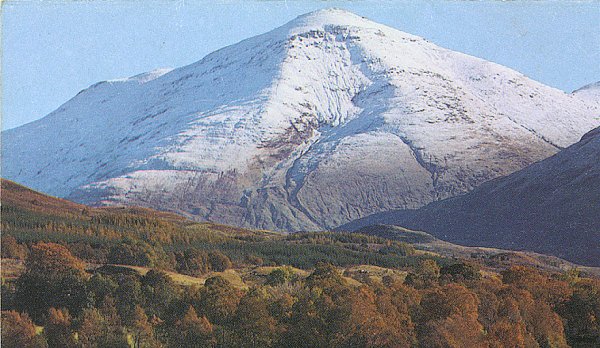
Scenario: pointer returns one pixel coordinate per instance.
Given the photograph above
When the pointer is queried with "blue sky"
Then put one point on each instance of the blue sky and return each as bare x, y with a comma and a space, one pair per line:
52, 50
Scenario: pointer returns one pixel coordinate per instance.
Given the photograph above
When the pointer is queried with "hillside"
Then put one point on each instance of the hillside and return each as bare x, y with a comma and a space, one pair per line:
492, 258
326, 119
33, 215
136, 277
143, 237
93, 233
589, 92
551, 207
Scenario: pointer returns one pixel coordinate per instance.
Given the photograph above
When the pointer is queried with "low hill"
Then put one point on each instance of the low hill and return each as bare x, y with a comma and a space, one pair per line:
27, 211
492, 258
98, 235
144, 237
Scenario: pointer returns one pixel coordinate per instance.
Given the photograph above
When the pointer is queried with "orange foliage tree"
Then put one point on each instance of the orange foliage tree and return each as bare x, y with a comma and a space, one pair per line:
18, 331
53, 278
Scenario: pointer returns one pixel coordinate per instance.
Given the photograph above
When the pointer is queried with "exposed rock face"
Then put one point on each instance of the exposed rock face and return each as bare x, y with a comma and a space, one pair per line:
326, 119
552, 207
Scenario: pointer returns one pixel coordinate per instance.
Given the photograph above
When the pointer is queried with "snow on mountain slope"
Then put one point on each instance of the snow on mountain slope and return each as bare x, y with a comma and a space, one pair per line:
590, 93
326, 119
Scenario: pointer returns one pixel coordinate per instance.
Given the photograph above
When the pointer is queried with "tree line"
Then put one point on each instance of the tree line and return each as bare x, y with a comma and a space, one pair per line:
56, 302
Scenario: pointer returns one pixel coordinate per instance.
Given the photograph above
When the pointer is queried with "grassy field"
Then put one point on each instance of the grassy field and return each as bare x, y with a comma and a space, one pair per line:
241, 278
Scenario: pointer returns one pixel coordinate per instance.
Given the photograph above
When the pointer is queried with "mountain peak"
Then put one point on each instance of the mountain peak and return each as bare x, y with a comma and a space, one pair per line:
332, 16
333, 19
328, 118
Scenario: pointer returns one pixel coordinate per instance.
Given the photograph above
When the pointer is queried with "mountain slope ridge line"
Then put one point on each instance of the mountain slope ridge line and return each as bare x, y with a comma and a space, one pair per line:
226, 131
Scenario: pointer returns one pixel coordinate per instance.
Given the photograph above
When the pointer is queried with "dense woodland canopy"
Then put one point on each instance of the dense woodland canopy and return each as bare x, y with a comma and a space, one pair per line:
113, 278
449, 306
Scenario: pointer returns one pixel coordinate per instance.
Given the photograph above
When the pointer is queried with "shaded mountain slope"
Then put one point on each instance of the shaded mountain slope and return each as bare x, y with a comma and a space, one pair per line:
552, 207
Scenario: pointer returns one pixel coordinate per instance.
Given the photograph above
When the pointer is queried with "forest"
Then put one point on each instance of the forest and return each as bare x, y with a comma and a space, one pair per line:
77, 276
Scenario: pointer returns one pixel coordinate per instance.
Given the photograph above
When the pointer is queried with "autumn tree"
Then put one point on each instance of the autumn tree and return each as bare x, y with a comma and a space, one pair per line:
53, 259
548, 328
509, 327
533, 319
193, 331
253, 323
538, 296
487, 291
91, 330
101, 328
394, 304
309, 321
219, 300
404, 297
547, 289
142, 331
11, 249
368, 323
449, 318
18, 331
320, 310
58, 328
53, 278
509, 333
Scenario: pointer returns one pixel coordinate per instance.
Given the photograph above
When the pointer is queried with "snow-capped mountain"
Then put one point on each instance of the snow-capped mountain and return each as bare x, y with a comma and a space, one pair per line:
326, 119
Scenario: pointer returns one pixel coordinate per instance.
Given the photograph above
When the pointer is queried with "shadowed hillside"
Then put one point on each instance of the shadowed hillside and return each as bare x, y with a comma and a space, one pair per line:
551, 207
